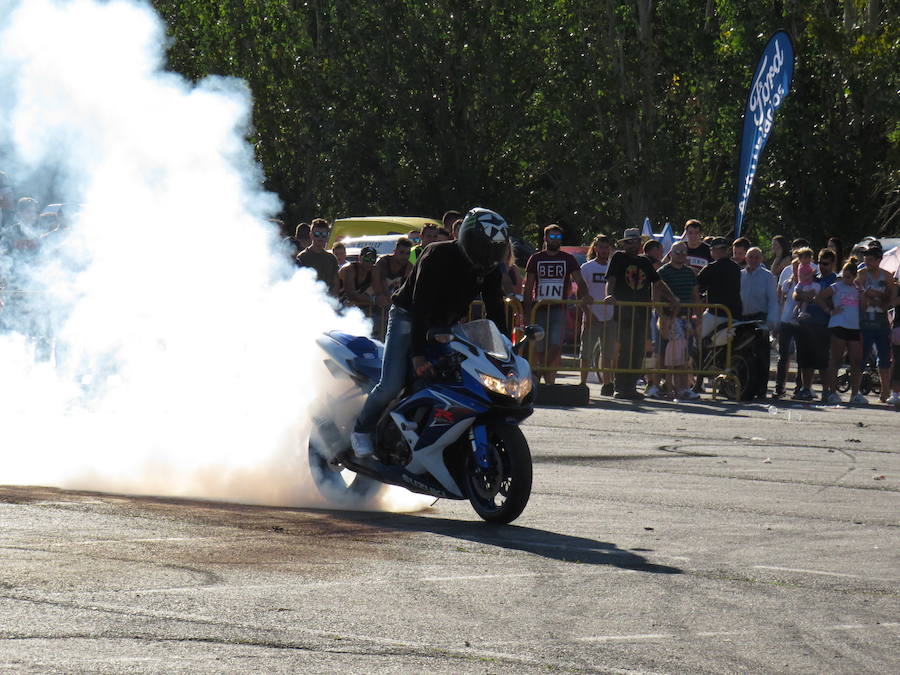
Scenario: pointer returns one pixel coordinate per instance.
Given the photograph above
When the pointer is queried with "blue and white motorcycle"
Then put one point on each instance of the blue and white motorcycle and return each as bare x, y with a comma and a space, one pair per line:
452, 435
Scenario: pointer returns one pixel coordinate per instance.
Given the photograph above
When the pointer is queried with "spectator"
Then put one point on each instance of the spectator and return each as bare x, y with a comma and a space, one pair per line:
845, 335
788, 329
673, 332
632, 278
294, 244
682, 281
392, 271
759, 302
654, 251
895, 341
739, 251
836, 245
598, 324
721, 281
429, 236
416, 238
302, 237
789, 338
698, 251
451, 220
805, 285
781, 255
319, 259
513, 281
548, 277
339, 251
796, 246
809, 356
443, 234
813, 328
878, 294
357, 289
759, 299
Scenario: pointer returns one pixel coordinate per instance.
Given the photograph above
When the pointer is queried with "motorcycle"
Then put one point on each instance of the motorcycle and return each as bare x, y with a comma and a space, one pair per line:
747, 338
451, 435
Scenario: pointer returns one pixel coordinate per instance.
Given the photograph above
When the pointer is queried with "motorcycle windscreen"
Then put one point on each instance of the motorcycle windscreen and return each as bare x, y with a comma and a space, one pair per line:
485, 335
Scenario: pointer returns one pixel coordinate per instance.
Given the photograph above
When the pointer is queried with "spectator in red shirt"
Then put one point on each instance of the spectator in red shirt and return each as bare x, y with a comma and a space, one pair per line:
548, 277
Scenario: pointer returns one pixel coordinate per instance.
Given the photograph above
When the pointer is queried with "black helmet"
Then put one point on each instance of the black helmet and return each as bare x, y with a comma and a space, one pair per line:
484, 239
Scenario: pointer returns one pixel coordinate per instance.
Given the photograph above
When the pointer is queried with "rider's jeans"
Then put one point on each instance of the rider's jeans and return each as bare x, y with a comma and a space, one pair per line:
393, 369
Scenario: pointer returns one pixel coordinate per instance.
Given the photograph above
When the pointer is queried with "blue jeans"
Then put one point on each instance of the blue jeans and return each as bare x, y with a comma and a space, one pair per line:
393, 370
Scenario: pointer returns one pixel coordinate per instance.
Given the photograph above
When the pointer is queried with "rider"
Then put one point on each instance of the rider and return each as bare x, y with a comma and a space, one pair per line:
446, 278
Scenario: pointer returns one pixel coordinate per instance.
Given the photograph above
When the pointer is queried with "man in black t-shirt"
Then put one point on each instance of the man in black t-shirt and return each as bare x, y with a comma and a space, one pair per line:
698, 253
721, 280
632, 278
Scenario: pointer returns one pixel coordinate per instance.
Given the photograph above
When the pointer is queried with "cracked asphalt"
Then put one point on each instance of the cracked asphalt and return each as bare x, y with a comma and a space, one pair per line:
660, 538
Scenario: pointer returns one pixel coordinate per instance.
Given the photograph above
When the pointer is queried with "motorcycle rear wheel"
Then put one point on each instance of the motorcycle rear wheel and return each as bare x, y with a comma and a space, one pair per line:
340, 486
500, 494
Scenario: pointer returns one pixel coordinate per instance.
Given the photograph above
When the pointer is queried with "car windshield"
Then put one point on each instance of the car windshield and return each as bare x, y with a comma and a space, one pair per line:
485, 335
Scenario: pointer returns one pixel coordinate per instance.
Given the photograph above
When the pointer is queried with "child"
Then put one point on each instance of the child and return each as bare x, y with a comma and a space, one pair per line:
673, 330
805, 284
845, 333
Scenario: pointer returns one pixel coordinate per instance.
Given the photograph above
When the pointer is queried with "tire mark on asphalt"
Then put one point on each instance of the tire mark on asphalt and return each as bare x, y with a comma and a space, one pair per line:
687, 635
388, 646
208, 578
600, 432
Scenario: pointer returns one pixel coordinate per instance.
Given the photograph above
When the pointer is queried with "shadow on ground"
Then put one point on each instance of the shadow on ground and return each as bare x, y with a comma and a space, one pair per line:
562, 547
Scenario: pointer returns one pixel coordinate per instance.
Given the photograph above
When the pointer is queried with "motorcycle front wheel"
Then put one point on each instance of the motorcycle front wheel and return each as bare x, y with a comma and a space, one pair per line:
338, 485
500, 493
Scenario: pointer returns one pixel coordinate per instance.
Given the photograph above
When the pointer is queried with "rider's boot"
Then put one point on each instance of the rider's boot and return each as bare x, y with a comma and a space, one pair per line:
361, 444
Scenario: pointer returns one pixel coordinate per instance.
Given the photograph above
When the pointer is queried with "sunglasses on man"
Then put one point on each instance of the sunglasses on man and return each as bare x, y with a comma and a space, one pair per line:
370, 257
320, 235
554, 236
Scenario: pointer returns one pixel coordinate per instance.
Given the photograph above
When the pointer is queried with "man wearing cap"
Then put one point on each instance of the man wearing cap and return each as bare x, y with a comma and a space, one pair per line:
631, 277
319, 258
721, 280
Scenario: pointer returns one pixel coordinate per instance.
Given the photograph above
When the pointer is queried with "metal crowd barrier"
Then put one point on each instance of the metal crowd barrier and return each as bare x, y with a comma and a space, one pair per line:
632, 335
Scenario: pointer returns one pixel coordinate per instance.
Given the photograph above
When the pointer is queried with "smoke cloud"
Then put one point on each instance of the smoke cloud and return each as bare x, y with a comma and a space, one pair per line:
184, 355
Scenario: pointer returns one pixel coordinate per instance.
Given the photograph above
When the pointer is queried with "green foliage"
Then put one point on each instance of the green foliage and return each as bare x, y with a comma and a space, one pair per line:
590, 113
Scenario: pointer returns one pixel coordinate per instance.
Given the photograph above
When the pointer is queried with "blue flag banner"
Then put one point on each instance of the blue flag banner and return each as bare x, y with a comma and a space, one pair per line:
768, 89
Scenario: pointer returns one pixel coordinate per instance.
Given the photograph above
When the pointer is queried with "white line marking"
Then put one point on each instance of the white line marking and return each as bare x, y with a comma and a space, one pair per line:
827, 574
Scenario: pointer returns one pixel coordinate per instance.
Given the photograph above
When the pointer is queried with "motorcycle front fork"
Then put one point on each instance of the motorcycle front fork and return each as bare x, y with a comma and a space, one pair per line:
480, 447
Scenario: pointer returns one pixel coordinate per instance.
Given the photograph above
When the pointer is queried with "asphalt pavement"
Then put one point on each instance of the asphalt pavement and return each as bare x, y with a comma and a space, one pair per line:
661, 537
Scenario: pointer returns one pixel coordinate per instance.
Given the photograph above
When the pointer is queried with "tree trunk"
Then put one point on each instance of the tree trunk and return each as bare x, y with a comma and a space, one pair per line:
873, 14
849, 14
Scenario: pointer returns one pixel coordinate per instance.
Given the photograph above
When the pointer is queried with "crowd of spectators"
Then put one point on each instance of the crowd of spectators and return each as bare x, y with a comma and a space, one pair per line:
834, 317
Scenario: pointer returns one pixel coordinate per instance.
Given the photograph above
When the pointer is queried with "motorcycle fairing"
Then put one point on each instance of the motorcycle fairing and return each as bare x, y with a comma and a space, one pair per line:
357, 356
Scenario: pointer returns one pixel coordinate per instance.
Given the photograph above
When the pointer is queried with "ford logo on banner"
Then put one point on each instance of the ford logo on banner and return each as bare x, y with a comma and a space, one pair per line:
768, 89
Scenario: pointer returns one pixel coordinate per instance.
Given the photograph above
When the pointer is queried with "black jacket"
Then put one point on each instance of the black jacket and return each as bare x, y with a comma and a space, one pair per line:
440, 289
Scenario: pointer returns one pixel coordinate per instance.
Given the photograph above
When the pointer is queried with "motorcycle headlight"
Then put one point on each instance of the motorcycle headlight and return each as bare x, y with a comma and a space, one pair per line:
512, 386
